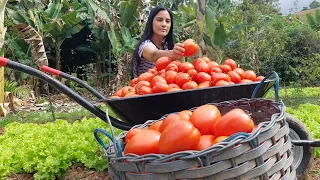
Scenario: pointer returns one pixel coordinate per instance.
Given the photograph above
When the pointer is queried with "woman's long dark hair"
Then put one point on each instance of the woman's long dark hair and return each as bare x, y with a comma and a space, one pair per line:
148, 32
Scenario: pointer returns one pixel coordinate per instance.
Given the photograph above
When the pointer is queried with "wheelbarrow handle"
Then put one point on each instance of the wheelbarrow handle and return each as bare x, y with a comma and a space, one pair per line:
306, 143
74, 79
65, 90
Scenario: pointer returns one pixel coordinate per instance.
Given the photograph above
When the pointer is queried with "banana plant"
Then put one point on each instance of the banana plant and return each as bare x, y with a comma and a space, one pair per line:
2, 37
314, 21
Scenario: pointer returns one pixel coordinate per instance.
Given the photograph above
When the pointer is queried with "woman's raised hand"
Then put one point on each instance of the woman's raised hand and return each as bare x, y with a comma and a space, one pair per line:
178, 50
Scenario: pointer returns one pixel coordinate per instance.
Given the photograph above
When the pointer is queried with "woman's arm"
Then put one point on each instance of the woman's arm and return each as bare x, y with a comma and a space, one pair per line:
153, 54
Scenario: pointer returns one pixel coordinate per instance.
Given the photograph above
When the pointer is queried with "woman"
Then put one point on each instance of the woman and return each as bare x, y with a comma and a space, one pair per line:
156, 41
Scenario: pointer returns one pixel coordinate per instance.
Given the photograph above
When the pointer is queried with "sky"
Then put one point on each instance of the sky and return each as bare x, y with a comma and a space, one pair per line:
286, 5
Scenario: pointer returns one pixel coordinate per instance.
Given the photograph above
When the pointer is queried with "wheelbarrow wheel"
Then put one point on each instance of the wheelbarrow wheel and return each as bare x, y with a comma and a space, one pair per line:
302, 155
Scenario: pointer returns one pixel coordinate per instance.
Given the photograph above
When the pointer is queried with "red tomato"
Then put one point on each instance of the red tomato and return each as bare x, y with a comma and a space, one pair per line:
205, 117
182, 78
156, 125
158, 79
202, 67
219, 76
153, 71
251, 75
232, 122
259, 78
189, 85
231, 63
215, 69
168, 120
173, 85
172, 67
170, 76
118, 92
147, 76
142, 83
202, 77
219, 139
133, 82
145, 142
185, 67
225, 68
174, 89
193, 74
127, 89
246, 81
235, 77
196, 61
185, 115
190, 47
212, 64
204, 84
205, 142
130, 94
162, 63
178, 136
206, 59
176, 62
131, 133
222, 83
145, 90
240, 71
160, 87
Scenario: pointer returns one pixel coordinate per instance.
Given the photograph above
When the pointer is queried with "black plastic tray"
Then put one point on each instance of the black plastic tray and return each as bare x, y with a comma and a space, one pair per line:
139, 109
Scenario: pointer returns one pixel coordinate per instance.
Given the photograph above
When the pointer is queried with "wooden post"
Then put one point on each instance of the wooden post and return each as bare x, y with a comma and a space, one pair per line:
2, 37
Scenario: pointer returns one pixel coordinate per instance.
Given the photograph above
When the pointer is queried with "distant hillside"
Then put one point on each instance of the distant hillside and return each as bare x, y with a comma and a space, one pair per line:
302, 14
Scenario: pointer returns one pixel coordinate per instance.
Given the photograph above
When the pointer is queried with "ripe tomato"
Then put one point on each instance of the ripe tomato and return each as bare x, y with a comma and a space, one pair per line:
219, 139
145, 142
153, 71
167, 120
225, 68
127, 89
219, 76
170, 76
160, 87
162, 63
178, 136
232, 122
231, 63
196, 61
235, 77
156, 125
173, 85
185, 115
158, 79
212, 64
189, 85
206, 59
174, 89
202, 77
133, 82
251, 75
172, 67
145, 90
205, 142
182, 78
204, 84
118, 92
185, 67
130, 94
215, 69
142, 83
131, 133
176, 62
222, 83
205, 117
190, 47
193, 74
147, 76
240, 71
259, 78
246, 81
202, 67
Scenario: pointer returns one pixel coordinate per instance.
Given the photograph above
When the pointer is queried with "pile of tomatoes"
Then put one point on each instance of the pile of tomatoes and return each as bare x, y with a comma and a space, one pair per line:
169, 76
188, 130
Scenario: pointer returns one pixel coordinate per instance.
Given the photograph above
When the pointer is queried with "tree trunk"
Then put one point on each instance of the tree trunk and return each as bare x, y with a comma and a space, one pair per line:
201, 25
58, 56
2, 37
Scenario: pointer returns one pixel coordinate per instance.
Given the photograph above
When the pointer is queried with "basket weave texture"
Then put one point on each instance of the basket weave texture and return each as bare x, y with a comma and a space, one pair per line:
263, 154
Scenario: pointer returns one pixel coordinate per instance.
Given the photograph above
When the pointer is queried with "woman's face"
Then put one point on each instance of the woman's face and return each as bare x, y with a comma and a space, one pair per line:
161, 23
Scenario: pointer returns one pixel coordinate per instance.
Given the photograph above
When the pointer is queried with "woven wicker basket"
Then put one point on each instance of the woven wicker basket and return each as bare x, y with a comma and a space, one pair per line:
264, 154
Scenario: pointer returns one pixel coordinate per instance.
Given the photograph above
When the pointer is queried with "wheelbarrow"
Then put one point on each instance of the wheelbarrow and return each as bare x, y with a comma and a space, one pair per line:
138, 109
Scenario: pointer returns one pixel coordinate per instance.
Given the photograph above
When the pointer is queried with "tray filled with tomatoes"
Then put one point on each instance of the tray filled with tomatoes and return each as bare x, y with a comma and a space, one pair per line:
173, 85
